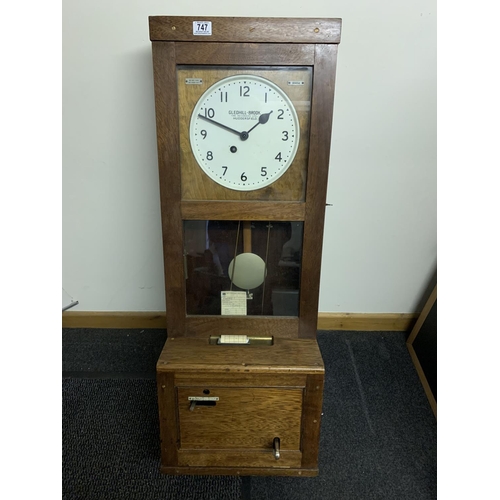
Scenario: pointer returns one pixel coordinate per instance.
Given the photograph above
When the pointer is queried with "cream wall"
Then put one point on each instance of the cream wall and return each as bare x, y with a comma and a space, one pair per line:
379, 248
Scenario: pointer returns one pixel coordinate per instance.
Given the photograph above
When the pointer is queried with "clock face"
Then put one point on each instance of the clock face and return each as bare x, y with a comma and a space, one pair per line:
244, 132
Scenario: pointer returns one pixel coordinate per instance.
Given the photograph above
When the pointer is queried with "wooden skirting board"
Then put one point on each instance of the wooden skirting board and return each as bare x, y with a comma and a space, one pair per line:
157, 319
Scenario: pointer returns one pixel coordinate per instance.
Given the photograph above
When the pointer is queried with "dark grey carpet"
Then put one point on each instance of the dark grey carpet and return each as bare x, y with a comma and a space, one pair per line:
111, 447
93, 351
378, 437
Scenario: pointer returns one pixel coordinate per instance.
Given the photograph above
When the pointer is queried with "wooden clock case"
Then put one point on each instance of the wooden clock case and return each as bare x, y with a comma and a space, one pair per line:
231, 409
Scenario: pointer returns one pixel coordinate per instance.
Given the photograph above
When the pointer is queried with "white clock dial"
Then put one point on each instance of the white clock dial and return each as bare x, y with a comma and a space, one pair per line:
244, 132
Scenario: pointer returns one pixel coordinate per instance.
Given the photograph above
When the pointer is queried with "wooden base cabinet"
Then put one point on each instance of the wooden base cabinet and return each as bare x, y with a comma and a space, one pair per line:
253, 406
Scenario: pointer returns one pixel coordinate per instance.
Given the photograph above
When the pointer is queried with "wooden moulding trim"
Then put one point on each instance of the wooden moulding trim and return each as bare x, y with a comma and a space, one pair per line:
283, 326
192, 378
247, 29
167, 130
167, 413
244, 458
228, 210
423, 379
157, 319
240, 471
409, 344
316, 185
252, 54
423, 315
233, 369
311, 420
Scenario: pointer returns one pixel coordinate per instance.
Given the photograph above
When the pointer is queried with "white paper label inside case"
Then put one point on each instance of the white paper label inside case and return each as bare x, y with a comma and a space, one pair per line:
233, 303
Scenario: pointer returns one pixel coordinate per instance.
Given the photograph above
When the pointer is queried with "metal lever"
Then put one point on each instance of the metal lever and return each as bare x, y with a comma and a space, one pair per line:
276, 446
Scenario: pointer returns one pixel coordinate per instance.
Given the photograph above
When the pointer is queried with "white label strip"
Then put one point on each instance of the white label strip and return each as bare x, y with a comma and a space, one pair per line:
203, 28
233, 339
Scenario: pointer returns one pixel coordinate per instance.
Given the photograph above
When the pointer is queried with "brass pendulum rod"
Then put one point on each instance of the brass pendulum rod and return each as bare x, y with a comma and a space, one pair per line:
235, 253
265, 268
247, 237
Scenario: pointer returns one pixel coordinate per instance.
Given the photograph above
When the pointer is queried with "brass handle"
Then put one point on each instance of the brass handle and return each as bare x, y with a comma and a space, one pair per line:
202, 401
276, 446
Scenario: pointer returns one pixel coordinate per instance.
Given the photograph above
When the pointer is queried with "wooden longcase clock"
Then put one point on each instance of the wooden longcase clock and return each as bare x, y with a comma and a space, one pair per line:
244, 117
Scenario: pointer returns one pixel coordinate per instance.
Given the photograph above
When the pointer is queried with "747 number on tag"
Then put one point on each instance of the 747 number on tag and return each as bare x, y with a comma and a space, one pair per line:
202, 28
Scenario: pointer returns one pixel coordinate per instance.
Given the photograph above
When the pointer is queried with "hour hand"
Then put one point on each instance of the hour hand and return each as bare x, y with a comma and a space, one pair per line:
222, 126
262, 119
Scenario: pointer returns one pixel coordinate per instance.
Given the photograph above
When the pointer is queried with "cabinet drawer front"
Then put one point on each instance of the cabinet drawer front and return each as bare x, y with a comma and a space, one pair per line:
248, 418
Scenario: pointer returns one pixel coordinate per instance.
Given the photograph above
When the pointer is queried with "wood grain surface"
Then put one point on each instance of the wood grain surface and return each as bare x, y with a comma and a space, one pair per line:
252, 54
246, 379
244, 458
168, 415
240, 418
247, 29
311, 419
234, 470
263, 392
191, 354
277, 326
241, 210
170, 186
317, 181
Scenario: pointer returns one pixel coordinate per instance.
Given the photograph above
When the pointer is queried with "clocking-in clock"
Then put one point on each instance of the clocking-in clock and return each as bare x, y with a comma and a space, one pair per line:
244, 118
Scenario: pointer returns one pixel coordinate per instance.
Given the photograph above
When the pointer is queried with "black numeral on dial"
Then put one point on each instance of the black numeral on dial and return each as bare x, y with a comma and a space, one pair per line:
245, 91
210, 155
209, 113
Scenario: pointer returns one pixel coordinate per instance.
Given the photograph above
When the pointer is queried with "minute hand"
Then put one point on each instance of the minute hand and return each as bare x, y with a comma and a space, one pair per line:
222, 126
